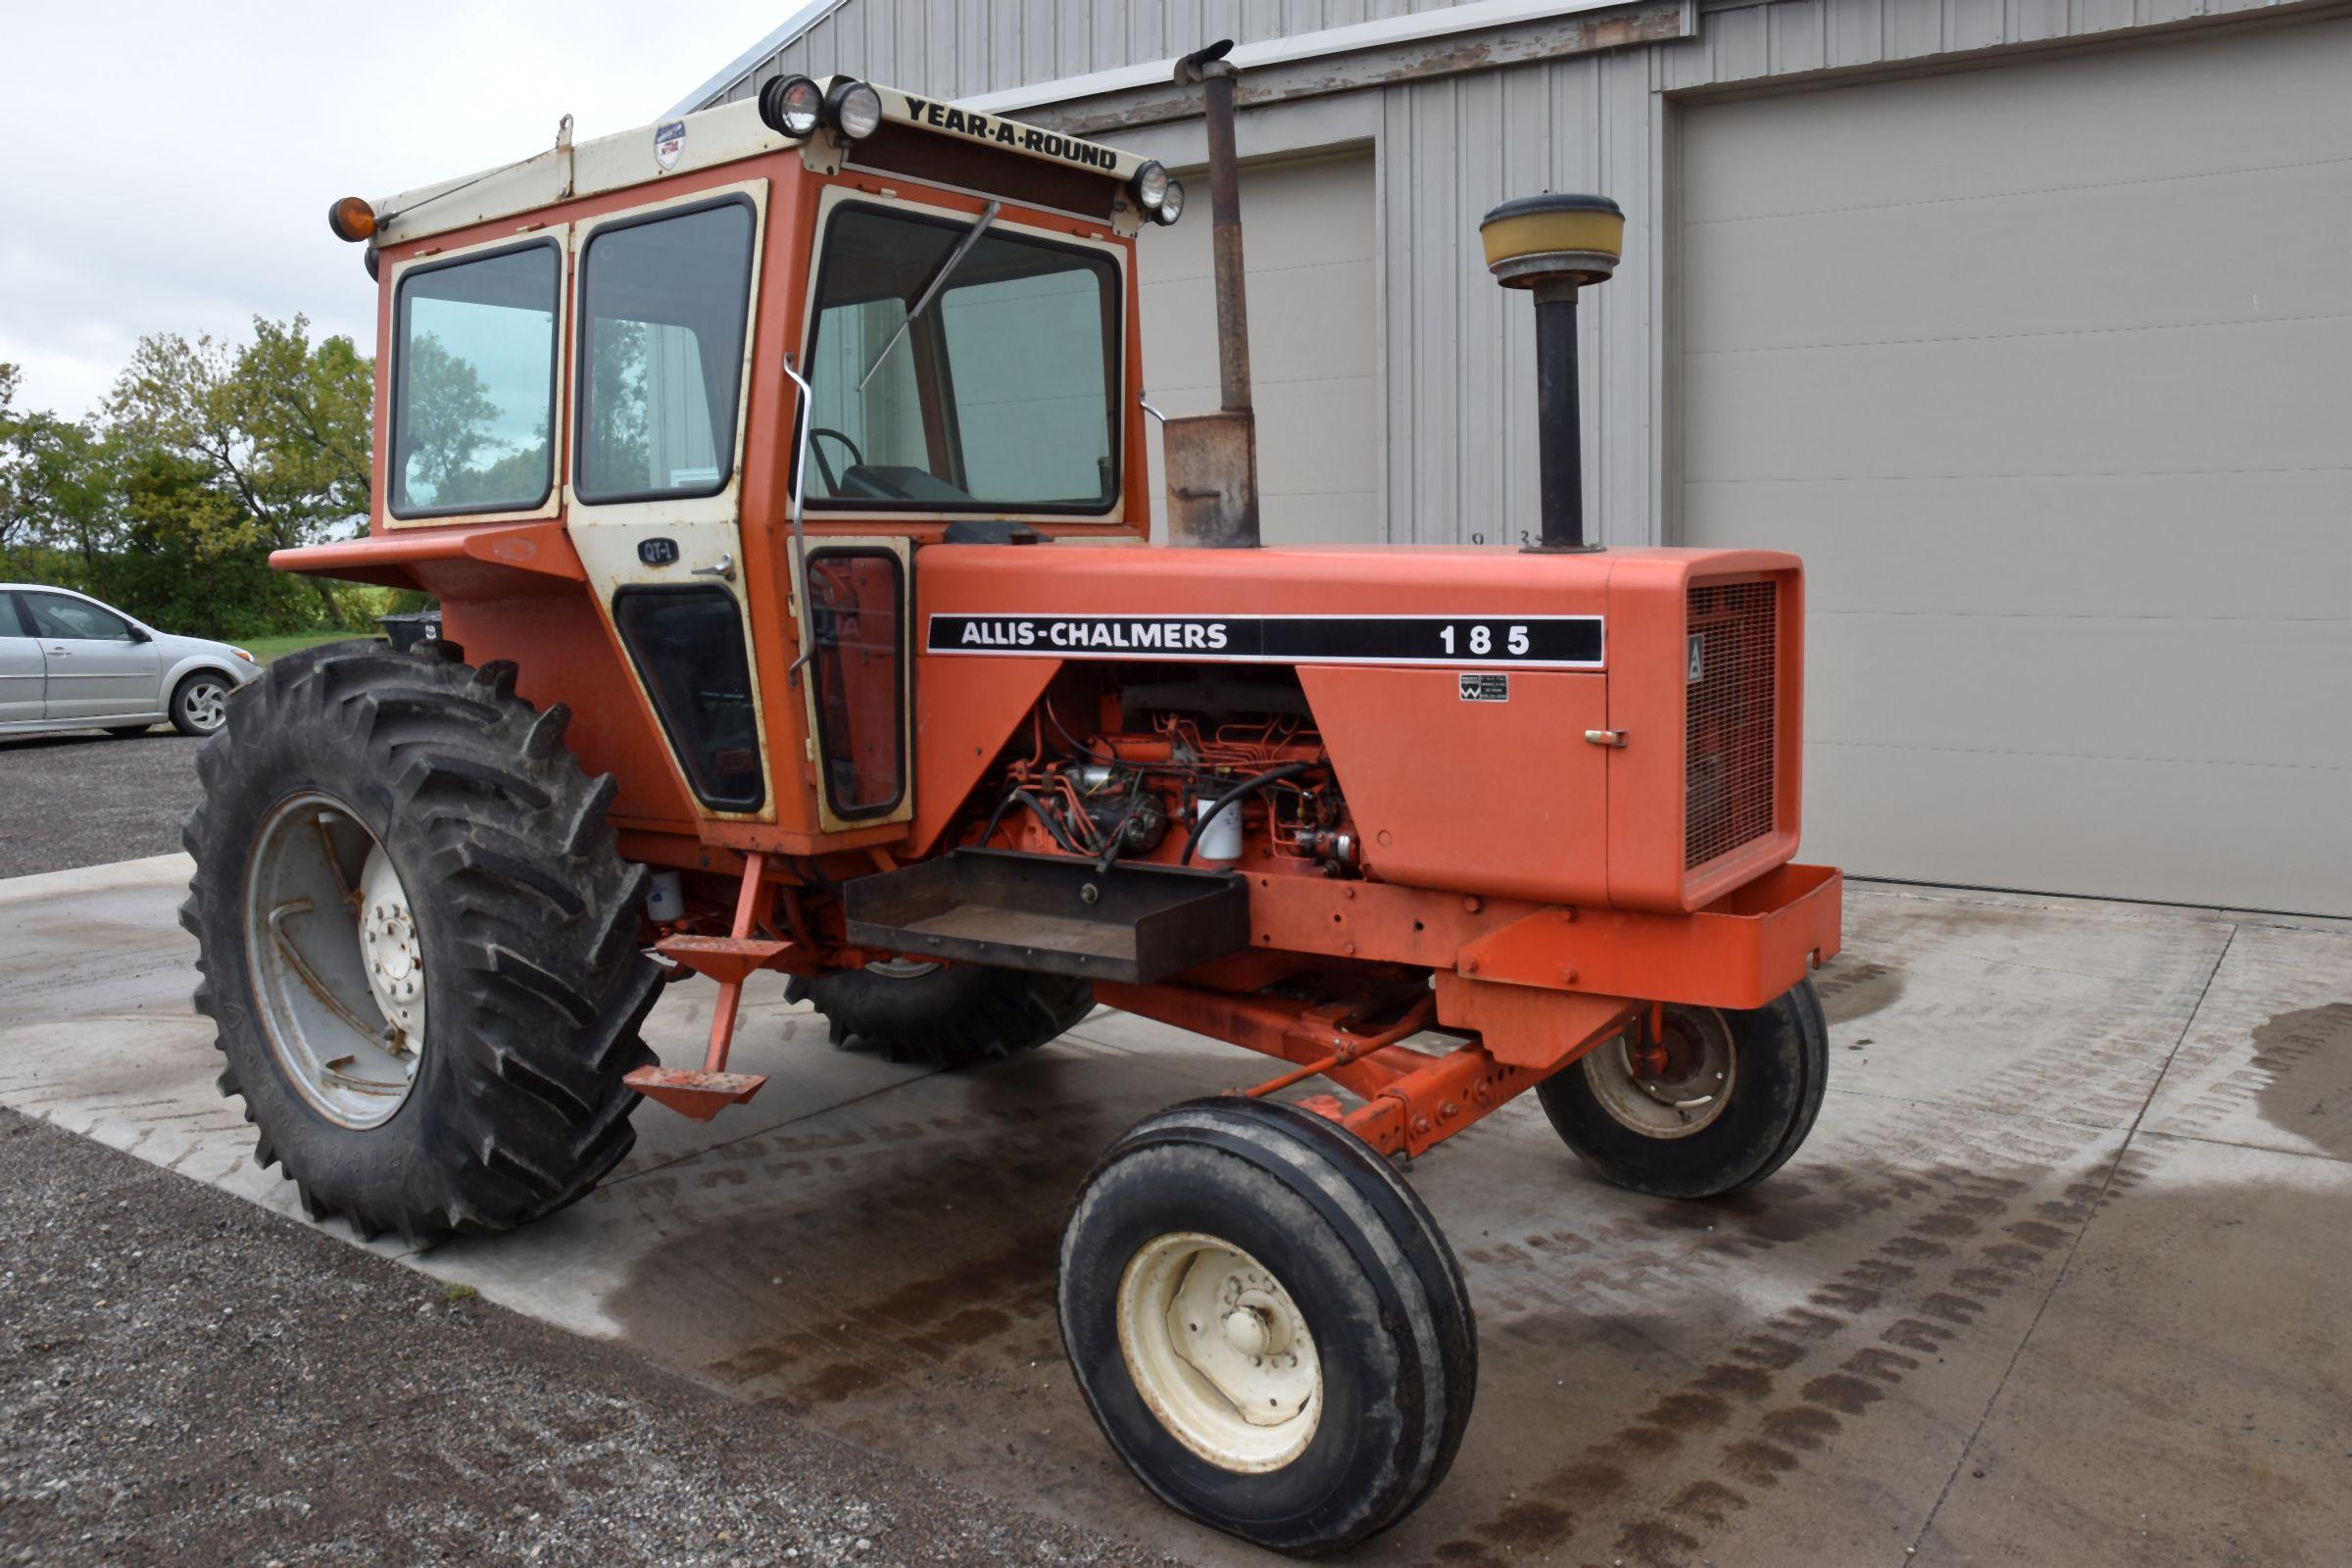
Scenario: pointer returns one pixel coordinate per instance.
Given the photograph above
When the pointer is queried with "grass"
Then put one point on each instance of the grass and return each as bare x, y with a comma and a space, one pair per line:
266, 649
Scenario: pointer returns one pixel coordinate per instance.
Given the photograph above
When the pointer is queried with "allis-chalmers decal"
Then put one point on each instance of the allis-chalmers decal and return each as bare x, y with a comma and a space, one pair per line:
1010, 133
1519, 642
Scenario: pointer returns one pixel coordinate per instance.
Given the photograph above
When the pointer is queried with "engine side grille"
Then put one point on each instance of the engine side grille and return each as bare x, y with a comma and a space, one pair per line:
1730, 715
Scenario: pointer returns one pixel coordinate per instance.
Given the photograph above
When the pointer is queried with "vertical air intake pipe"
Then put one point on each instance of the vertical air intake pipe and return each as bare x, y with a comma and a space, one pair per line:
1556, 245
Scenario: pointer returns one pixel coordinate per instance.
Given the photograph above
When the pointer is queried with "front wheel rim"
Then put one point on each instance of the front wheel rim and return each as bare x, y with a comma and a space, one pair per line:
1220, 1353
337, 961
205, 704
1673, 1087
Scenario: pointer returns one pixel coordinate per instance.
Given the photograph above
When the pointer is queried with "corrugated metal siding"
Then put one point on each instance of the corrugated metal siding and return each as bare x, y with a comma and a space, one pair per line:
962, 48
1461, 363
1457, 352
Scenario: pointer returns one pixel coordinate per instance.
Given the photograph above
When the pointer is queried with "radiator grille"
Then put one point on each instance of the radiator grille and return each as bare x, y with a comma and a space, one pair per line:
1730, 712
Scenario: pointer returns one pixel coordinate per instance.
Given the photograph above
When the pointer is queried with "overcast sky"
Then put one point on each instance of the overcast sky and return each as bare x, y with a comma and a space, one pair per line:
167, 167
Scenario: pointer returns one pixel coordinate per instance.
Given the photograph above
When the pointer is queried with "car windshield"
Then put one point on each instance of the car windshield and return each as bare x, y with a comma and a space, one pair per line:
1001, 394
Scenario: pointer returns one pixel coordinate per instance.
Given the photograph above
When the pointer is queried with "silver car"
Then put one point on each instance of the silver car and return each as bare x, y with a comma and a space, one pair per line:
68, 662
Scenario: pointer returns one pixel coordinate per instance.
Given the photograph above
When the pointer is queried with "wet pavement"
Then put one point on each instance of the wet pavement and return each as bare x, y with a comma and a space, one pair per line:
2052, 1282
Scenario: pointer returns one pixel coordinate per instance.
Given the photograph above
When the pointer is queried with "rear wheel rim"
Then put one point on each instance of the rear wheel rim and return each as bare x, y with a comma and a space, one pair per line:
901, 968
1220, 1353
337, 961
205, 704
1673, 1087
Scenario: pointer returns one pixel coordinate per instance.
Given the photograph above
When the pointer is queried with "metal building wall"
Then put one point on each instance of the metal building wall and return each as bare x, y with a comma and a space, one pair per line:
1454, 353
963, 48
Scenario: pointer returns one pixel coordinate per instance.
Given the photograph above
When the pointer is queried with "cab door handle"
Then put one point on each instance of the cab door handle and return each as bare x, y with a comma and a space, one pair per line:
723, 567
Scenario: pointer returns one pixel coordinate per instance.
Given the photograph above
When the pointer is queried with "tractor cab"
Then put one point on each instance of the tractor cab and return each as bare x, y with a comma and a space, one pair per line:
718, 376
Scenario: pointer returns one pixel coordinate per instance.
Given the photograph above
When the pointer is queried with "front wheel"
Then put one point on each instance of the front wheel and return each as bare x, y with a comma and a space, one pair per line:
1267, 1325
1719, 1102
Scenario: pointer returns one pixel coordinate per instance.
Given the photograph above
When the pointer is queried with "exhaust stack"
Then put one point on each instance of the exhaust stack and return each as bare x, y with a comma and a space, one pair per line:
1212, 459
1556, 245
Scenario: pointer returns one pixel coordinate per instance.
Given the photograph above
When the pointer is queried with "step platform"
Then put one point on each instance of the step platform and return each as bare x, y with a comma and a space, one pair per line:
1053, 914
697, 1096
726, 960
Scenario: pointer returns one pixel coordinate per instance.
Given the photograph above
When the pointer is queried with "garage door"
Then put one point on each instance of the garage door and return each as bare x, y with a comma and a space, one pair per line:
1308, 244
2046, 369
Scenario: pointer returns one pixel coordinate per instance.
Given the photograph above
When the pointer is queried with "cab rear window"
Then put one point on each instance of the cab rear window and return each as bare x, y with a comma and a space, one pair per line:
474, 390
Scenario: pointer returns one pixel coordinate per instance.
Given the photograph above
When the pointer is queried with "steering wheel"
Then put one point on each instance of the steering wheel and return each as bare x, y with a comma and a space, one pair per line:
856, 458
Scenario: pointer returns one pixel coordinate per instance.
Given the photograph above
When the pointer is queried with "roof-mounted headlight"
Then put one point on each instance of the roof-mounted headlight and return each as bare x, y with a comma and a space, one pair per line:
792, 106
1150, 186
1171, 204
855, 108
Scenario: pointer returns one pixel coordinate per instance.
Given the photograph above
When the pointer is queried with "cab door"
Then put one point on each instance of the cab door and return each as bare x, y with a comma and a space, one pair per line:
662, 315
858, 594
96, 664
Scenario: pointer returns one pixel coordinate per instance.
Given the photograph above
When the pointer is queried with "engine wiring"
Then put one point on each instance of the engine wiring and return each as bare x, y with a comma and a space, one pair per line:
1111, 796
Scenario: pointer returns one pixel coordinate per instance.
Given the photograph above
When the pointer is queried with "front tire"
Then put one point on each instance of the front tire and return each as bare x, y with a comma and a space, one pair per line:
944, 1015
1267, 1325
1719, 1103
418, 944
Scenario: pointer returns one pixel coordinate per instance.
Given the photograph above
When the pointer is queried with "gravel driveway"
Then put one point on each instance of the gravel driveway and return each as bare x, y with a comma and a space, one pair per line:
69, 800
185, 1379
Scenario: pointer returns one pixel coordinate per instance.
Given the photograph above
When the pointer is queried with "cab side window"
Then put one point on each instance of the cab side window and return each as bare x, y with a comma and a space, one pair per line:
56, 616
473, 389
663, 308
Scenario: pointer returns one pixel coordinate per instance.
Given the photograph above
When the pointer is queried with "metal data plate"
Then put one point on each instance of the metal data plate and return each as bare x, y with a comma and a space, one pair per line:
1051, 913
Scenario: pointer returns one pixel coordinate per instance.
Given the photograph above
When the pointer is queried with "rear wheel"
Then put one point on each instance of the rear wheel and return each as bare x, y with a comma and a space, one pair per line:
200, 703
1266, 1324
944, 1014
418, 945
1718, 1103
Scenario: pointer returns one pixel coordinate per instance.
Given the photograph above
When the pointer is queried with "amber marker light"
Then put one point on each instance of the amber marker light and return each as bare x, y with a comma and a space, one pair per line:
351, 220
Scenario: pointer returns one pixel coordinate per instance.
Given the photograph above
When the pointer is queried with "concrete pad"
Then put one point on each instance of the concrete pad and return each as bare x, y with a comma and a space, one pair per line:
2183, 1398
1792, 1376
2269, 1062
97, 1034
1965, 1000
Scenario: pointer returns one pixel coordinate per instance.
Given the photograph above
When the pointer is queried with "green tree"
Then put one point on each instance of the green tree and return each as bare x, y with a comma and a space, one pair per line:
57, 492
278, 427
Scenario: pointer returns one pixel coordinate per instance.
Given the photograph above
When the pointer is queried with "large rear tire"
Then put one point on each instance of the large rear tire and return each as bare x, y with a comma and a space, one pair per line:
1267, 1324
418, 944
944, 1015
1719, 1104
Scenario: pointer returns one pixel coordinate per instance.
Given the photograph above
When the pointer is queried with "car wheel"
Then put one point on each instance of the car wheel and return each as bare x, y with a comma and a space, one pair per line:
199, 707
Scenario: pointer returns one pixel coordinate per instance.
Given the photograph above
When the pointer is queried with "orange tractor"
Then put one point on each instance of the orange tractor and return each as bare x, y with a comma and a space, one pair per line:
781, 474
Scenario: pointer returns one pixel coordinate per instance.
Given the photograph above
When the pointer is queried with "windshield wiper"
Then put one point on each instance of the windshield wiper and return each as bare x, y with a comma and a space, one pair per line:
939, 279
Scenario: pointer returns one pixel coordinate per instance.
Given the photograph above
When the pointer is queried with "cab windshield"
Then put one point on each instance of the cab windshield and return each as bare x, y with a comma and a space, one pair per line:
1002, 394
